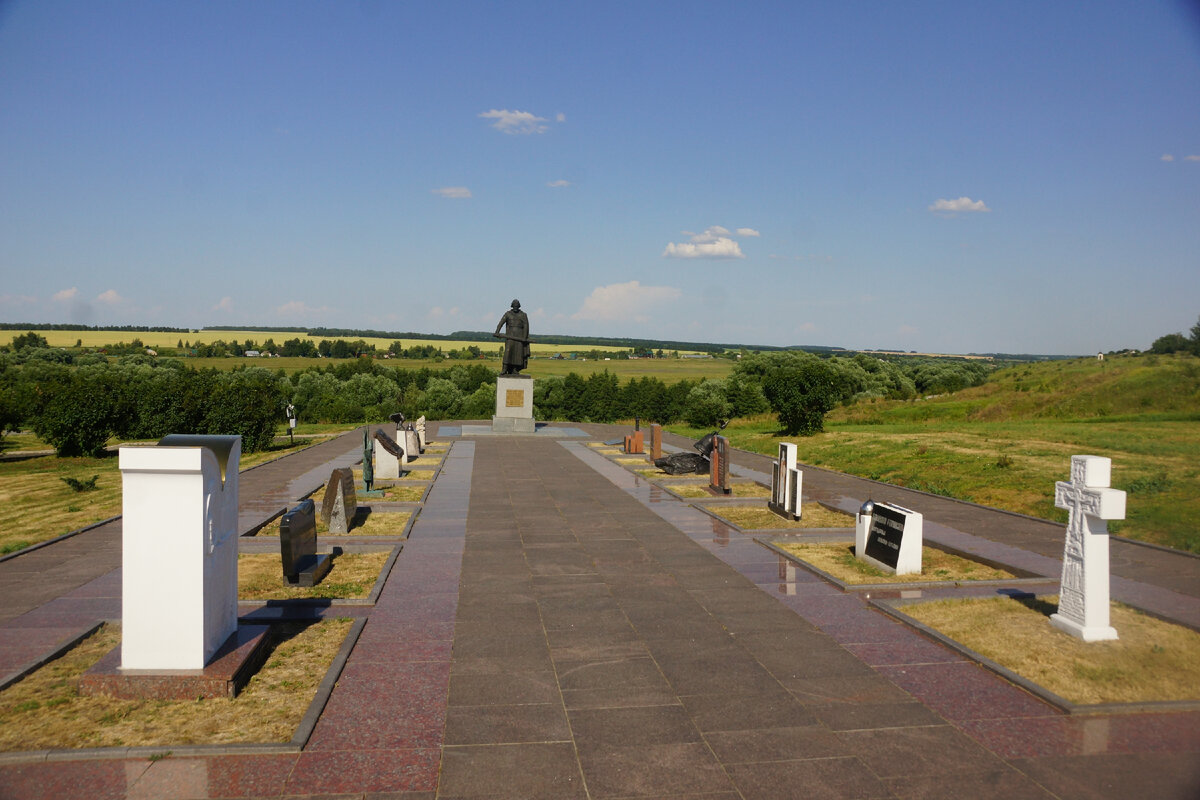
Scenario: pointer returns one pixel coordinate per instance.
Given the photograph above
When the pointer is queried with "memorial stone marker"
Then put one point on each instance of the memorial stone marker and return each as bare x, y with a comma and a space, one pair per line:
719, 470
179, 545
340, 503
786, 484
635, 443
389, 457
655, 441
893, 538
420, 427
302, 565
1083, 598
412, 444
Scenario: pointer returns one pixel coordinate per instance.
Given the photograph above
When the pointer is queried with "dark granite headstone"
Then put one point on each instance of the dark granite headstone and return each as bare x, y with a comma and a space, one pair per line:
302, 566
340, 504
885, 535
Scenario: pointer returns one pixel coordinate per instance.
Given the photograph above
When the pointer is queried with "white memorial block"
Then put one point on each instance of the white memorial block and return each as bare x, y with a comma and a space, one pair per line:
514, 405
388, 465
890, 537
411, 444
179, 551
786, 484
420, 426
1083, 597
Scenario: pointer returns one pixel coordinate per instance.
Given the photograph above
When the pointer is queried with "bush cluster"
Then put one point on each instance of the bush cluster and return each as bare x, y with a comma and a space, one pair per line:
1178, 343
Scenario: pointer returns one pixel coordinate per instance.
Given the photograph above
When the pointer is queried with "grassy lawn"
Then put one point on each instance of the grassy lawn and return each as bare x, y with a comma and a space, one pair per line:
44, 710
260, 577
1004, 444
838, 559
1151, 661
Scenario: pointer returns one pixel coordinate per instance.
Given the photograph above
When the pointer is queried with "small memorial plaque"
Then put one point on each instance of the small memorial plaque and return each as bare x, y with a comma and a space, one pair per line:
514, 398
893, 539
886, 535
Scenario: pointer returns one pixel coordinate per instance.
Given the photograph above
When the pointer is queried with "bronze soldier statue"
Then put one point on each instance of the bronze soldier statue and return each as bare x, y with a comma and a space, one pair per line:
516, 339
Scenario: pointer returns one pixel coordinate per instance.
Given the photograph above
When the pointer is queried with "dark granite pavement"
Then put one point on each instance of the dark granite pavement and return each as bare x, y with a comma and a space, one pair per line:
557, 627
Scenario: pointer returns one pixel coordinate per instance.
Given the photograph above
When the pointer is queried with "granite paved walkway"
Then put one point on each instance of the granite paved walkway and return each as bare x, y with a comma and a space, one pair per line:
557, 627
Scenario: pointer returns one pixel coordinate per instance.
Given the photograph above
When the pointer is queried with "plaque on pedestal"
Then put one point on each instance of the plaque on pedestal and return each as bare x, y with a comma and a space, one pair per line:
514, 404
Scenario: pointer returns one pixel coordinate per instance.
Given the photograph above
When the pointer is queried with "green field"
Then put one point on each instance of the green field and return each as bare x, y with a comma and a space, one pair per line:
1004, 444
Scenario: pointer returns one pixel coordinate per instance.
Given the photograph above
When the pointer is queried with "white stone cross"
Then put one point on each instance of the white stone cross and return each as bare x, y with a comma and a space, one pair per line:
1083, 597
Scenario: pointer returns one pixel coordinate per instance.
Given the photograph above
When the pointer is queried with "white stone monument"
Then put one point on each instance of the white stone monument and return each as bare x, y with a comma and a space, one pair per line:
514, 404
420, 426
786, 484
387, 464
179, 551
1083, 597
890, 537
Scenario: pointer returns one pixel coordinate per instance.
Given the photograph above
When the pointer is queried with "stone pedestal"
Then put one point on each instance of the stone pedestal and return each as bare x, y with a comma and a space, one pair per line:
179, 551
390, 461
514, 405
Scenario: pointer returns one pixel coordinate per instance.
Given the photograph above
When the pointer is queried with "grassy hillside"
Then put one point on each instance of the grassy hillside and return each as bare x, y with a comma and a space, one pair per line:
1005, 443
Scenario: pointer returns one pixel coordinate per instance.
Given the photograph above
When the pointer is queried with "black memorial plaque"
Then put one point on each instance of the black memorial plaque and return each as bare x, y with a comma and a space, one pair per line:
298, 546
883, 539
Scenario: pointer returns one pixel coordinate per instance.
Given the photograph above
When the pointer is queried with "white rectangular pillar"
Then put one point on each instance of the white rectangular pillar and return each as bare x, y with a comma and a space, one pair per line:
179, 551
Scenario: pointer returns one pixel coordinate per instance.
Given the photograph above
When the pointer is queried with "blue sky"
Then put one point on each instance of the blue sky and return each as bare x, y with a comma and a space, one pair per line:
931, 176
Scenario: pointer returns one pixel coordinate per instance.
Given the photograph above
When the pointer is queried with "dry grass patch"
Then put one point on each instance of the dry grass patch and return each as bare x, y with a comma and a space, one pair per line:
628, 460
36, 503
757, 517
260, 577
402, 494
375, 523
411, 475
44, 710
654, 473
696, 489
838, 560
1152, 661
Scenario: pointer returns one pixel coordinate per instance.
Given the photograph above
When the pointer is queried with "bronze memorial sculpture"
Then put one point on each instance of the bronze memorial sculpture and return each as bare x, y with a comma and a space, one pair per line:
516, 339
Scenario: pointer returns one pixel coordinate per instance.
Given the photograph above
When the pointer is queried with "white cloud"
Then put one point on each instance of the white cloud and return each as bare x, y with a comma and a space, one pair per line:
715, 242
559, 184
1168, 157
1191, 158
625, 302
298, 308
516, 122
453, 192
721, 247
110, 298
560, 117
226, 305
961, 204
908, 330
66, 295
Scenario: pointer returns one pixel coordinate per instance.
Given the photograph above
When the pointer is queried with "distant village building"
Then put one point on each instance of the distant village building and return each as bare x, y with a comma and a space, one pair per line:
1099, 356
251, 354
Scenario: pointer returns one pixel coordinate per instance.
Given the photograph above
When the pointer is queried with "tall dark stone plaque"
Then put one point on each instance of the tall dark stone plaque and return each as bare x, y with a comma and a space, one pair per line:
302, 565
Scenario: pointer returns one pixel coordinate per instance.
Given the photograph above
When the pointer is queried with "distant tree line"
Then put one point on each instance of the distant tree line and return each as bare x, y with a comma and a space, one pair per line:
77, 403
1178, 343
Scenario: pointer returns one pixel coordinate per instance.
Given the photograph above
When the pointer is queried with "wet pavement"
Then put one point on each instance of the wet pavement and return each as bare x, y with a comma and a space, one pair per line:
555, 626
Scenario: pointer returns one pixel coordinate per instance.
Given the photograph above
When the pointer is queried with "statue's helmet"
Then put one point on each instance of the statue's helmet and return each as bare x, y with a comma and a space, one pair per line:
516, 304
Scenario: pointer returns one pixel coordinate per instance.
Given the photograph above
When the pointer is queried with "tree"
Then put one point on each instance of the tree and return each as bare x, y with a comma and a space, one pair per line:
802, 395
706, 405
30, 339
1171, 343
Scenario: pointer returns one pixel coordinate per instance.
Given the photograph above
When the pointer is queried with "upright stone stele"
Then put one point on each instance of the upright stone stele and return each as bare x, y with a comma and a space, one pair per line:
786, 484
390, 457
718, 478
1083, 597
179, 551
655, 441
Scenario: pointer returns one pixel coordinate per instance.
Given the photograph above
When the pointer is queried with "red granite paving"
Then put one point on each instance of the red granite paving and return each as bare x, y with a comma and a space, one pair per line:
558, 627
